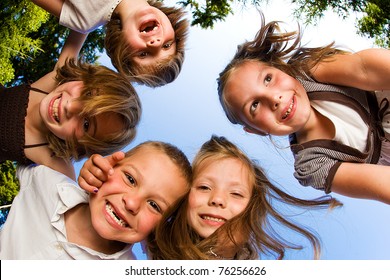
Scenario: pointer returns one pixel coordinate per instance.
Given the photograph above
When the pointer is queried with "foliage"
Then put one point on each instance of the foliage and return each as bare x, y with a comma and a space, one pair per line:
374, 21
9, 184
54, 36
206, 13
31, 42
18, 20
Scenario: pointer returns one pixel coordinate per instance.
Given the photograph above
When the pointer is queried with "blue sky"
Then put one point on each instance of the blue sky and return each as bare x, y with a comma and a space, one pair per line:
187, 112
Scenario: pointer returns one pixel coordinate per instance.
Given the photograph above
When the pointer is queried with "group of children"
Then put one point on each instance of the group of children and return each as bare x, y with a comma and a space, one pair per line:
218, 207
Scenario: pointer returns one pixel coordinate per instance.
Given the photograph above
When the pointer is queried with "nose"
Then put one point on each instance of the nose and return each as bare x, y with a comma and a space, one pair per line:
217, 198
154, 42
132, 202
72, 108
275, 100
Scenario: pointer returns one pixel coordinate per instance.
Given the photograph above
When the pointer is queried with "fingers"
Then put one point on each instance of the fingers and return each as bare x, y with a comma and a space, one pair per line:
86, 186
93, 173
113, 159
96, 170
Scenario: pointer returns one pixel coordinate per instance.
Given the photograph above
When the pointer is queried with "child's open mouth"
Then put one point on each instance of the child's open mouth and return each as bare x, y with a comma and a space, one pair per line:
116, 218
289, 109
149, 26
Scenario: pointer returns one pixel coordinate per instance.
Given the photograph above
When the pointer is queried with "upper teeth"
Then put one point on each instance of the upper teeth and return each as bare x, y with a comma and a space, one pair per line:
111, 212
144, 31
213, 219
55, 109
289, 110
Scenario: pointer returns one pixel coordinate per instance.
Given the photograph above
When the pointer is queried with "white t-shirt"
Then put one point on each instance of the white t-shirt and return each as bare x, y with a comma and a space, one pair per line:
35, 226
350, 128
85, 16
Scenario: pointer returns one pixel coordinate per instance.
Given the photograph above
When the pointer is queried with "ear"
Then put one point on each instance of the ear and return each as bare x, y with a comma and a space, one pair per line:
253, 131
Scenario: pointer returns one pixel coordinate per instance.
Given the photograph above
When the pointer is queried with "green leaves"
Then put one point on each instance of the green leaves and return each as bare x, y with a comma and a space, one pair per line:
209, 13
19, 19
9, 184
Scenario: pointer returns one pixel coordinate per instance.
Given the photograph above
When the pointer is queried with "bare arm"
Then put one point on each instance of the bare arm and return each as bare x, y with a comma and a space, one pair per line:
367, 69
71, 49
360, 180
52, 6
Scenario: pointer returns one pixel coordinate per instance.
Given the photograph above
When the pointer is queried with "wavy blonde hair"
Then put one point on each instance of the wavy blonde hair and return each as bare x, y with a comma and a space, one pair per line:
104, 91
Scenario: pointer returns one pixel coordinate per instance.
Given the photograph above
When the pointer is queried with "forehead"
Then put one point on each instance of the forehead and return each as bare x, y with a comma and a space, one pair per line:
238, 171
155, 171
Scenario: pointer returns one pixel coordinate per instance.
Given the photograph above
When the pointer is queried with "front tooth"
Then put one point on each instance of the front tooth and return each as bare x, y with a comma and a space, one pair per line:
110, 211
213, 219
55, 109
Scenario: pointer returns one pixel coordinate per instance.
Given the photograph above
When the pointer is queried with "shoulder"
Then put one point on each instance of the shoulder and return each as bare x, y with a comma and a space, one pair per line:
40, 174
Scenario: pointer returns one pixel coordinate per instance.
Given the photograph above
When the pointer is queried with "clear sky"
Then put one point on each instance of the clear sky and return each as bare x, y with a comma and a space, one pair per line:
187, 112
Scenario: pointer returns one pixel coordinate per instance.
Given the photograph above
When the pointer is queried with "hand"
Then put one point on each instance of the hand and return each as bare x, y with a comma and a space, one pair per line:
96, 170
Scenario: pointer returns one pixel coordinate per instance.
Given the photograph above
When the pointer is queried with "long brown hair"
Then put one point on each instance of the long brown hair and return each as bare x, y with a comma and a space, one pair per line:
276, 48
175, 239
104, 91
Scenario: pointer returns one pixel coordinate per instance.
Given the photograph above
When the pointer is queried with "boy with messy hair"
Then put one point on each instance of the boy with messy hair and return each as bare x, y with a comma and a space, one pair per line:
144, 39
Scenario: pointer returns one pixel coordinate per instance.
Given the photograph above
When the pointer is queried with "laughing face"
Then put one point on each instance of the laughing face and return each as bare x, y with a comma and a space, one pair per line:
60, 112
267, 100
220, 191
131, 202
150, 35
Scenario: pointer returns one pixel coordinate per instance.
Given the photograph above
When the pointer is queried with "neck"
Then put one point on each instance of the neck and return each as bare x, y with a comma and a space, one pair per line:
317, 127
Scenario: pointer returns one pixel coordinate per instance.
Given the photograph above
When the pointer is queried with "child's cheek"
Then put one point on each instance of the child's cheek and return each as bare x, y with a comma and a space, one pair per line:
149, 222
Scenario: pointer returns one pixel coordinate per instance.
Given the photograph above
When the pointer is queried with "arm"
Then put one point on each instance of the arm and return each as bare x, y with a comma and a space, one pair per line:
367, 69
96, 170
360, 180
71, 49
52, 6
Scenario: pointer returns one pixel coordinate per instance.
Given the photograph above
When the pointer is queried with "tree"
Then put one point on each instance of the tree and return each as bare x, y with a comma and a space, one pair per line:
373, 23
19, 18
9, 187
37, 65
31, 42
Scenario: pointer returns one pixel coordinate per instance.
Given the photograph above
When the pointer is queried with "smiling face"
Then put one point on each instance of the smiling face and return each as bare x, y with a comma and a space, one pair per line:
150, 35
131, 202
60, 112
219, 192
267, 100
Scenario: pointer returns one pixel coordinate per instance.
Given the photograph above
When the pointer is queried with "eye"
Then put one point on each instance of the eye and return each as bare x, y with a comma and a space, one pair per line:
236, 194
86, 124
155, 206
167, 45
267, 79
130, 179
253, 107
203, 188
143, 54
